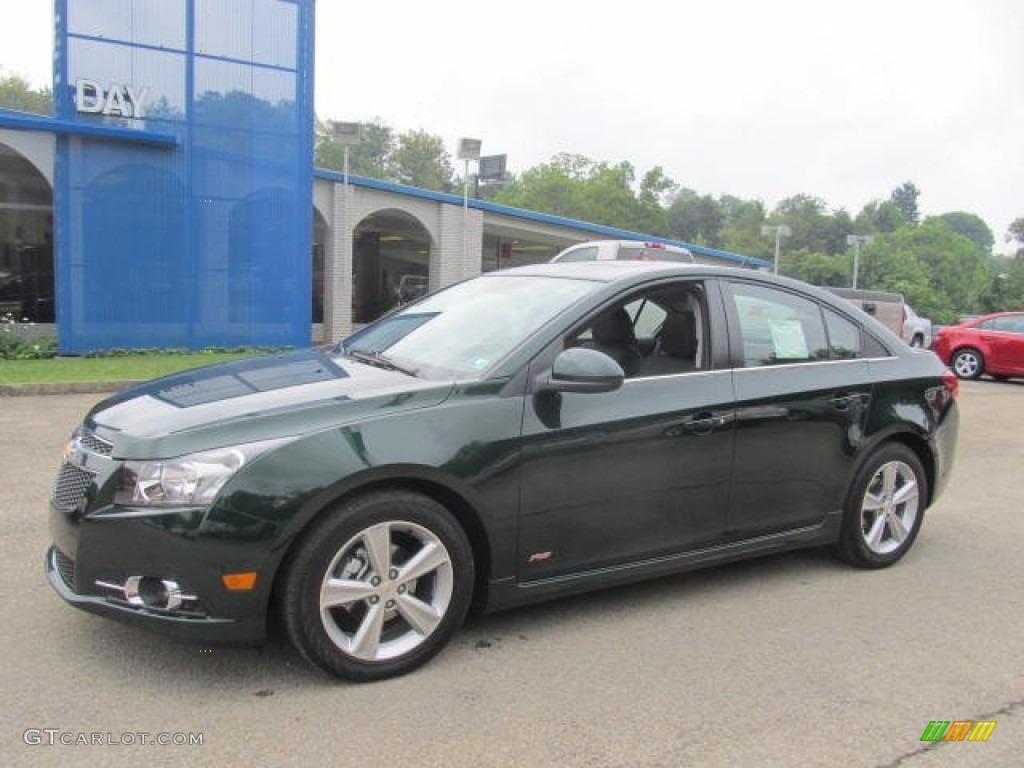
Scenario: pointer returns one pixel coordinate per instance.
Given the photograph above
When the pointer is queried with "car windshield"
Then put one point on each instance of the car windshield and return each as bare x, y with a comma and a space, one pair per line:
466, 329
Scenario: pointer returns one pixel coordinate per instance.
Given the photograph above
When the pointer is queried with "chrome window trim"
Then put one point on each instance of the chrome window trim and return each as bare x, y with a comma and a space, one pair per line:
815, 362
760, 368
696, 372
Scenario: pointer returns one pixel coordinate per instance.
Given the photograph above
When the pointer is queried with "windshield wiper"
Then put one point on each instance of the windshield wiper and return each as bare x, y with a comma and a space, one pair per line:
381, 361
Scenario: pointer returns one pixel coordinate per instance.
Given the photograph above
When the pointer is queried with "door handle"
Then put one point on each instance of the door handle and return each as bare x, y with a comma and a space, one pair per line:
843, 401
705, 423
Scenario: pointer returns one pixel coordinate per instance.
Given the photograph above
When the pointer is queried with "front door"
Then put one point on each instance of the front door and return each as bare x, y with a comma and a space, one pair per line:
638, 473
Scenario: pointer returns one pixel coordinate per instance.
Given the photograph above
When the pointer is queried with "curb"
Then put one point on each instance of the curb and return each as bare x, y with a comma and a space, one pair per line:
64, 388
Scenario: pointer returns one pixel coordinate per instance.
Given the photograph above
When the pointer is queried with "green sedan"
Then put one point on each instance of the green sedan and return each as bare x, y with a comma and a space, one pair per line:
522, 435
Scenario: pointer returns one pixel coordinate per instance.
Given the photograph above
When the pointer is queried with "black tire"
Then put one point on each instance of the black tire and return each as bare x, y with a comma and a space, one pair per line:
917, 342
884, 508
376, 625
968, 363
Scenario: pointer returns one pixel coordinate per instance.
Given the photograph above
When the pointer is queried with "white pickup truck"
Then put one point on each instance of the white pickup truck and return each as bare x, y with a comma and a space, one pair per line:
608, 250
917, 330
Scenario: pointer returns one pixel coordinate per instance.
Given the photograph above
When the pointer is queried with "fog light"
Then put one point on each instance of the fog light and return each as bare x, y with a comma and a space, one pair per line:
158, 593
150, 592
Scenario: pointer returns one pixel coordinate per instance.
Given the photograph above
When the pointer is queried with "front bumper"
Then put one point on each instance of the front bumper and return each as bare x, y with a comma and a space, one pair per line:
201, 629
89, 555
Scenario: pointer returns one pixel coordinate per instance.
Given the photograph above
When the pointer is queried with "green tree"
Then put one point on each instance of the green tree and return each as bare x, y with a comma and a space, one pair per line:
905, 197
420, 160
18, 94
696, 220
810, 224
576, 187
741, 229
655, 189
880, 216
971, 226
940, 272
1015, 234
1006, 286
817, 268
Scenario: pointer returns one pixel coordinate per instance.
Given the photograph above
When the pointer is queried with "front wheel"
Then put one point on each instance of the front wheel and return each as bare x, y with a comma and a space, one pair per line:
884, 508
968, 363
377, 588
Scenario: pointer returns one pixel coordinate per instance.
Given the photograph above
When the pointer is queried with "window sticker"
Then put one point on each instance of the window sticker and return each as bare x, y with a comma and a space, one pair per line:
789, 340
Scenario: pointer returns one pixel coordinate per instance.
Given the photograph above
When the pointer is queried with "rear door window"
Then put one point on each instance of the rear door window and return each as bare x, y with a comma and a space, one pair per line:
778, 327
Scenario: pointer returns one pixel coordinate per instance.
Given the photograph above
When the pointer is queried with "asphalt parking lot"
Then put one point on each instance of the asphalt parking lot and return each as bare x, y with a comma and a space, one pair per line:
792, 660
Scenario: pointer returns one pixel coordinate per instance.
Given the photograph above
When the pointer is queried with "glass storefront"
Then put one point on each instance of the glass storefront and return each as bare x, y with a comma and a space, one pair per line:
26, 241
206, 240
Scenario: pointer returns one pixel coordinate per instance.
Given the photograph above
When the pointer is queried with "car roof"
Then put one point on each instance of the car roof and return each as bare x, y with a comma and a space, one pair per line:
624, 274
634, 272
979, 318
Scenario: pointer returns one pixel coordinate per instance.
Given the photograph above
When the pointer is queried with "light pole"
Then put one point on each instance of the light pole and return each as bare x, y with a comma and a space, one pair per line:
469, 149
347, 135
855, 241
780, 231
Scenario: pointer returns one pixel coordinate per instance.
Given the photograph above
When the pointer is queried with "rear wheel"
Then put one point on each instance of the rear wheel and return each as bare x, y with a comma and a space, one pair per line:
378, 587
884, 508
968, 363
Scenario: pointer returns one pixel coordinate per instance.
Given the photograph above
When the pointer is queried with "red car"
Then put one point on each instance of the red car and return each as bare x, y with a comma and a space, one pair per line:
992, 344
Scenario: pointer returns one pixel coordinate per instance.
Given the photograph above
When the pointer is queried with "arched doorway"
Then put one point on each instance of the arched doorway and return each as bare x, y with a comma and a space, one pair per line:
390, 263
26, 241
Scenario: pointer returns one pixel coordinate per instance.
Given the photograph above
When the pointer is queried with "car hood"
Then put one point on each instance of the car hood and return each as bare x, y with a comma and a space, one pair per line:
254, 399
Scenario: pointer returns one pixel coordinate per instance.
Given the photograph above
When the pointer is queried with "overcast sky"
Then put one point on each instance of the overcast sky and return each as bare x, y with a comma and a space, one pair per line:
842, 100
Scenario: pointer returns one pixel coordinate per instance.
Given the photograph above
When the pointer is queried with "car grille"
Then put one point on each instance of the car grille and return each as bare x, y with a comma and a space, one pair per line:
70, 487
65, 567
95, 444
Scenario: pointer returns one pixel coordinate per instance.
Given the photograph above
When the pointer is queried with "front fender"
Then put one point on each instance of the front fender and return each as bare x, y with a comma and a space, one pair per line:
468, 448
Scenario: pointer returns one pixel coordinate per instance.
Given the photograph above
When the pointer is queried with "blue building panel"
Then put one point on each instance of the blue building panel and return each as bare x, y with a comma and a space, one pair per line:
204, 239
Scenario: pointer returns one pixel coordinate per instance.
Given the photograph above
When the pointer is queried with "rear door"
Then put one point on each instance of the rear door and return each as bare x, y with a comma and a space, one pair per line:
1004, 336
802, 398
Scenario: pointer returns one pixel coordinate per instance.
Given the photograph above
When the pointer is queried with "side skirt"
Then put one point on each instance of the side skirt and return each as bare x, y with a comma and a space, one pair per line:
507, 593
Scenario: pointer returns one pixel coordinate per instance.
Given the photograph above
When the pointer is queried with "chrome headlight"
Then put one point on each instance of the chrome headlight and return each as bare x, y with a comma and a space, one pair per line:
185, 481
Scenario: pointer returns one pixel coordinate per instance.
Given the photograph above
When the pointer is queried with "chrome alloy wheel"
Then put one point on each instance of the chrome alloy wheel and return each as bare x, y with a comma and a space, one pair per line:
967, 365
386, 590
890, 507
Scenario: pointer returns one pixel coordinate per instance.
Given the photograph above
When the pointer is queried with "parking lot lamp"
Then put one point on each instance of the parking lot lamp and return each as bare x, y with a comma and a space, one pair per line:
780, 231
855, 241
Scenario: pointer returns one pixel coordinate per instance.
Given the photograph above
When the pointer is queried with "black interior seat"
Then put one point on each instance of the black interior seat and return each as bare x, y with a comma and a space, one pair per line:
677, 346
612, 333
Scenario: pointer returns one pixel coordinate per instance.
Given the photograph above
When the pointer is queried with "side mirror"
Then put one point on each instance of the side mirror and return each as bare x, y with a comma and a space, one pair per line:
578, 369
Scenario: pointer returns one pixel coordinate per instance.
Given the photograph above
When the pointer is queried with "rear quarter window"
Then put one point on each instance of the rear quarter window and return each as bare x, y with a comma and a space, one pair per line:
580, 254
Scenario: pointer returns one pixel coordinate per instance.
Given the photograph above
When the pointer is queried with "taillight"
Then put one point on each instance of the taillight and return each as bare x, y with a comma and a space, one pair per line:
940, 398
952, 383
658, 246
